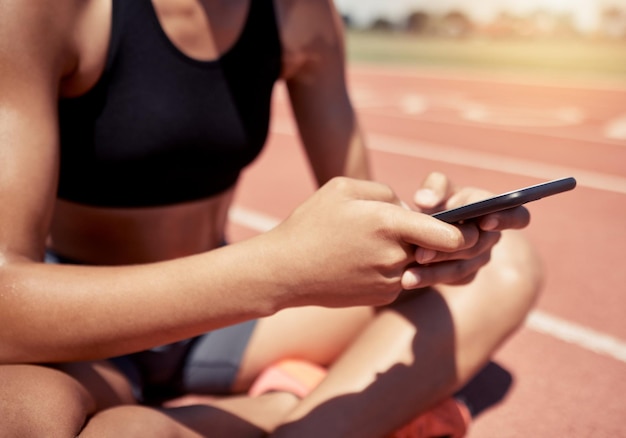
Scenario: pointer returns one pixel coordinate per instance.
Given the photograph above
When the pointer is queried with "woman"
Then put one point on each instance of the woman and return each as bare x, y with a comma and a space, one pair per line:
124, 128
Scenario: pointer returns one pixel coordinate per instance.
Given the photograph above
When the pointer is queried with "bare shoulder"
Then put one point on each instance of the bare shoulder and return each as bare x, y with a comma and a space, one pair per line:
310, 30
37, 33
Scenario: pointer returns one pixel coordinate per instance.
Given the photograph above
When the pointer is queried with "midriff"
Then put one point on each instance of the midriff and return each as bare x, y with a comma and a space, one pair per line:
117, 236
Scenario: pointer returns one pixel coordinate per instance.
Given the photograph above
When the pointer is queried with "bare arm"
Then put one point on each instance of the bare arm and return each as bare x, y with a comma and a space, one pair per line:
347, 245
63, 312
315, 74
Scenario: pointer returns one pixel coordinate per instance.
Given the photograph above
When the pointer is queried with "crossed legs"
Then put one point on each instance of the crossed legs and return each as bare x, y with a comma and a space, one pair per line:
385, 367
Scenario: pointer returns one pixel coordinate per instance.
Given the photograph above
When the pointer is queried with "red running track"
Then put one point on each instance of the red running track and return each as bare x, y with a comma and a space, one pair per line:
567, 365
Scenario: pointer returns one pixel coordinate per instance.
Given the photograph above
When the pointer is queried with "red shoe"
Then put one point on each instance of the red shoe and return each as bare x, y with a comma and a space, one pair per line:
298, 377
451, 418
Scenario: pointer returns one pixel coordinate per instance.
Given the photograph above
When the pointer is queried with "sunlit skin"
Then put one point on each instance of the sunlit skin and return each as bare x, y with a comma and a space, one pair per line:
352, 248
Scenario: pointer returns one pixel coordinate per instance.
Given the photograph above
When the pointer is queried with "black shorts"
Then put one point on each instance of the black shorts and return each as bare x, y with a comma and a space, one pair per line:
206, 364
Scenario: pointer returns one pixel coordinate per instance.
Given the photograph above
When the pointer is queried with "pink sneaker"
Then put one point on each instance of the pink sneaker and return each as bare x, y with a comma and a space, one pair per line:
450, 418
298, 377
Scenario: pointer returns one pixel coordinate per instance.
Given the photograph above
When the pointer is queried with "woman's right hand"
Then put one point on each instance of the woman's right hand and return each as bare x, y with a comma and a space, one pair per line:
350, 243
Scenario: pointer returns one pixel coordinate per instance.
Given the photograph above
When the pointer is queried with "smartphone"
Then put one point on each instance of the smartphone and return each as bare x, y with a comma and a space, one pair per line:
506, 200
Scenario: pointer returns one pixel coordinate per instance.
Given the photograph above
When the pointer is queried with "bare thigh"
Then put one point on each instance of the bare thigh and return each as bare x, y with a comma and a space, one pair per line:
106, 385
37, 401
319, 335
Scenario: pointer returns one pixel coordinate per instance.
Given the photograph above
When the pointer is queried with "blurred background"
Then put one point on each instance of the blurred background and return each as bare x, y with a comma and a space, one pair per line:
575, 38
499, 94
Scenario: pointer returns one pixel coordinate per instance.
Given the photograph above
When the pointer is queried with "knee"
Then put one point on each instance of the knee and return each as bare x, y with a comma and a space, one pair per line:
132, 421
518, 278
136, 421
37, 401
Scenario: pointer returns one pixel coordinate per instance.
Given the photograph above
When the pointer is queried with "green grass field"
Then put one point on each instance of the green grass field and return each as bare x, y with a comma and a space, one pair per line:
574, 59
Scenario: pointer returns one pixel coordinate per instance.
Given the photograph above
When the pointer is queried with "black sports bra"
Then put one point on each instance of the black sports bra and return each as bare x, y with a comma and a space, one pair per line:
161, 128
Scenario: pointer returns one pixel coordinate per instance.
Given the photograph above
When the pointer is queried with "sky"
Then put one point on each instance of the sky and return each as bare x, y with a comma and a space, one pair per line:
585, 12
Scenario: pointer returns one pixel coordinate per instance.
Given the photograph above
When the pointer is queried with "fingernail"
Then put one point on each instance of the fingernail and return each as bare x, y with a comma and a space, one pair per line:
424, 255
426, 198
489, 224
410, 279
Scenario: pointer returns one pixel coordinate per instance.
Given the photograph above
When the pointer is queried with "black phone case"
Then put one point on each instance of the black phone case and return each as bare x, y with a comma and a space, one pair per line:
506, 200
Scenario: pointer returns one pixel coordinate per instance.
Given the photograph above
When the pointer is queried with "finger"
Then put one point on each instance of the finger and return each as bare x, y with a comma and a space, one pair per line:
365, 190
486, 241
433, 192
442, 273
467, 195
463, 281
514, 218
427, 232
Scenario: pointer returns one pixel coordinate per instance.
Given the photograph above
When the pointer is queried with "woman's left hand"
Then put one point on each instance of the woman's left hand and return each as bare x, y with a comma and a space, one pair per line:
432, 267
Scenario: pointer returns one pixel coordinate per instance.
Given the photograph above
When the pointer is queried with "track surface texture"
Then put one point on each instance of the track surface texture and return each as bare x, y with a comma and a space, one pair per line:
564, 373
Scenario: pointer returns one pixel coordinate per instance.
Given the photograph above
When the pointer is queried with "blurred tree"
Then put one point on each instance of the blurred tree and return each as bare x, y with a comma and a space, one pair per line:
418, 23
382, 24
505, 25
613, 22
456, 24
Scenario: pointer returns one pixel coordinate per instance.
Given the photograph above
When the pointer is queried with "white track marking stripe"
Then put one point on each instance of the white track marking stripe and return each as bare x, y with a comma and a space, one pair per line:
468, 76
253, 220
499, 163
616, 128
538, 321
479, 160
577, 334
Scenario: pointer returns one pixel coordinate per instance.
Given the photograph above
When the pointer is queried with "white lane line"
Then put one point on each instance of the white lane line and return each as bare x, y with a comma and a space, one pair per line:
479, 160
577, 334
254, 220
511, 128
495, 162
522, 117
414, 104
616, 128
356, 69
538, 321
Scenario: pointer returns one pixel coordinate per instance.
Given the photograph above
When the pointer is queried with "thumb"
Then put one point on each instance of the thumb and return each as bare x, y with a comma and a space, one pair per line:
433, 193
